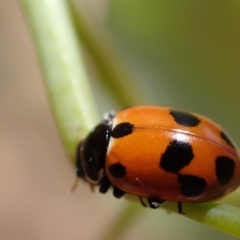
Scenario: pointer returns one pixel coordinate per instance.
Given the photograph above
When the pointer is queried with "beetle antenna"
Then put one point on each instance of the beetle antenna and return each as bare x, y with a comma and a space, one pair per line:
74, 186
91, 185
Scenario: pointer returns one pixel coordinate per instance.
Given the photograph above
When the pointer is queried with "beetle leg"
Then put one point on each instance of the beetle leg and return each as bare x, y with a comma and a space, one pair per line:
105, 184
142, 202
180, 211
118, 193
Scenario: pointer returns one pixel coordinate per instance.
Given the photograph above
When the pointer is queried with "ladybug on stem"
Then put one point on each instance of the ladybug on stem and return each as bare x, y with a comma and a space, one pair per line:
161, 154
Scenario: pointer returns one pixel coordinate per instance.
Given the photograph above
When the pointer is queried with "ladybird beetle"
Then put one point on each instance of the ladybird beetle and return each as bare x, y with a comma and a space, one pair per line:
161, 154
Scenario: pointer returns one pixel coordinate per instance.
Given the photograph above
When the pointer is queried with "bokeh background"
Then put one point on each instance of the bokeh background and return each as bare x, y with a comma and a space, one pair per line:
183, 53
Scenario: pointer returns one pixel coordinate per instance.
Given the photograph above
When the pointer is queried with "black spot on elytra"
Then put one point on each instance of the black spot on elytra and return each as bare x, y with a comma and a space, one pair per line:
227, 139
185, 118
122, 130
224, 169
192, 186
117, 170
177, 155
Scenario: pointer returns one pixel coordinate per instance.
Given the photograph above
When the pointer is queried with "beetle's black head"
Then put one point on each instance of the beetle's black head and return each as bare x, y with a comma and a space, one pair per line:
91, 154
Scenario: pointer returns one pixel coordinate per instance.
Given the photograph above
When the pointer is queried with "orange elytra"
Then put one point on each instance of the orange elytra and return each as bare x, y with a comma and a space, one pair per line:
162, 154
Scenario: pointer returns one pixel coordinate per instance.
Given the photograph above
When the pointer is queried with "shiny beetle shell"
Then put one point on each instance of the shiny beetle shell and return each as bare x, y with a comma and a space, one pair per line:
172, 155
160, 153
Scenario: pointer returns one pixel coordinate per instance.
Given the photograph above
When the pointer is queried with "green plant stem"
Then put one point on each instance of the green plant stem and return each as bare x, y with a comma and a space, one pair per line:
63, 69
127, 216
115, 75
223, 217
73, 108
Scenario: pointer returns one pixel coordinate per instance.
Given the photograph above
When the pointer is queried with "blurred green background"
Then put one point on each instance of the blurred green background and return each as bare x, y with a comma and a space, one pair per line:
182, 53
